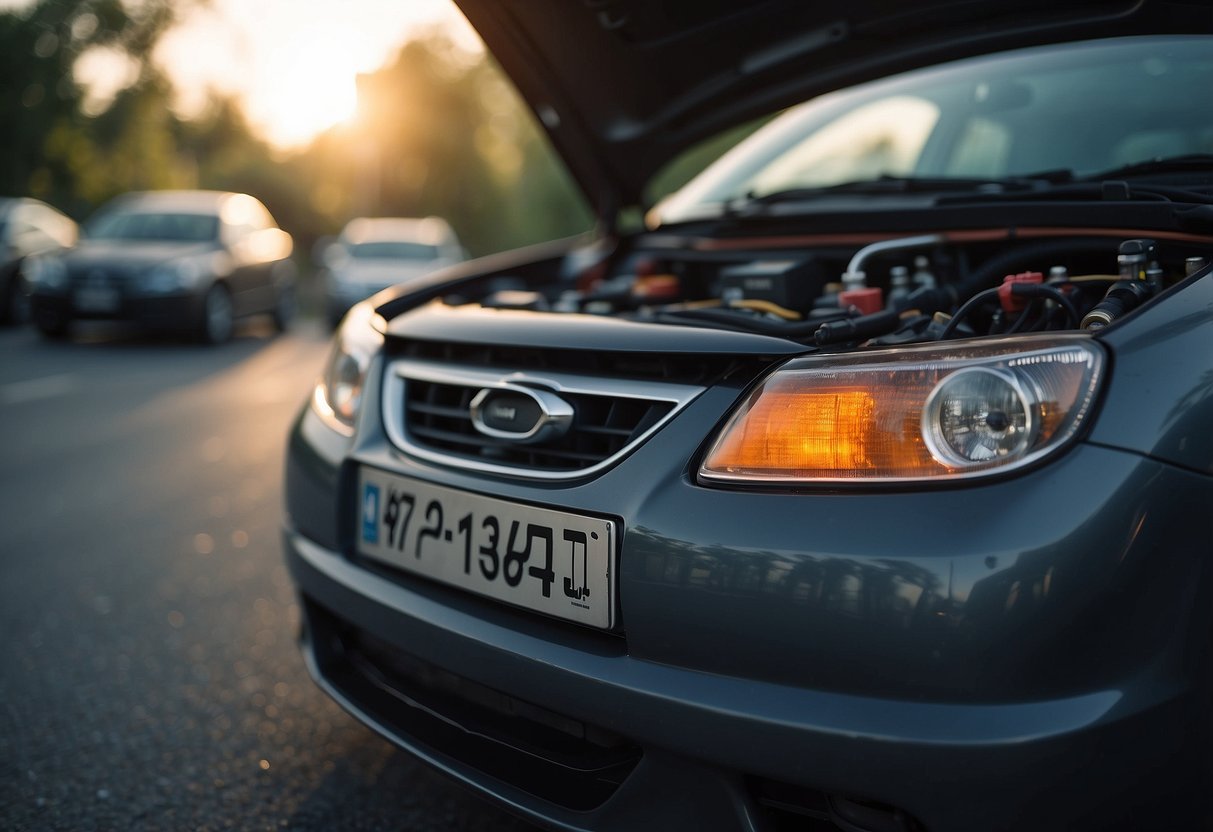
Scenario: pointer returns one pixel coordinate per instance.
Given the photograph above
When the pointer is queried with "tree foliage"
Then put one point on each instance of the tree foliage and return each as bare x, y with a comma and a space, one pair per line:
439, 132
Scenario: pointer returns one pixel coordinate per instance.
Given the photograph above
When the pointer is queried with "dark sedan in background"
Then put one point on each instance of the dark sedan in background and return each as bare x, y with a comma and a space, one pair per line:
28, 228
182, 261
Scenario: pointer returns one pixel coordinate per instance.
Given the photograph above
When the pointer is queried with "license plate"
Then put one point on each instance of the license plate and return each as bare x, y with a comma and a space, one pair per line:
553, 562
96, 299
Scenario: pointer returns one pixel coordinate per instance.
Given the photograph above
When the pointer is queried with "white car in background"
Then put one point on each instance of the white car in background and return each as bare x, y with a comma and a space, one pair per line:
372, 254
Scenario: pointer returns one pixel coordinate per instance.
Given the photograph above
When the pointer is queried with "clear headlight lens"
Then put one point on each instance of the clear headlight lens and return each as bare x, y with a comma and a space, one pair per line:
923, 413
338, 395
46, 271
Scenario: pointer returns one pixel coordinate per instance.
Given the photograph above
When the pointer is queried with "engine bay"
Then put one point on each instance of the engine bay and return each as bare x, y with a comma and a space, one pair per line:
845, 290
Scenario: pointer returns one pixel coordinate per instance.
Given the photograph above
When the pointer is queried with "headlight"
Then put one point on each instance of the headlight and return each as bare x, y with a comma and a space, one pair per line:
338, 394
45, 272
931, 413
176, 275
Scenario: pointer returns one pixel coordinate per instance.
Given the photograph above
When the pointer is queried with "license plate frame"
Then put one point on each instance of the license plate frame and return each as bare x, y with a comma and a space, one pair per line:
554, 562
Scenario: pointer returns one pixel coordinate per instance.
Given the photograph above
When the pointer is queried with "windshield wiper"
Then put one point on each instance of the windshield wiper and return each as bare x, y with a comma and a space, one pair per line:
1121, 184
906, 185
1050, 184
1189, 163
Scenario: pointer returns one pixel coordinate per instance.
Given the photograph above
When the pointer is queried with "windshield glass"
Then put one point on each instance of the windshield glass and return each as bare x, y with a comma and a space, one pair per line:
393, 249
192, 228
1081, 107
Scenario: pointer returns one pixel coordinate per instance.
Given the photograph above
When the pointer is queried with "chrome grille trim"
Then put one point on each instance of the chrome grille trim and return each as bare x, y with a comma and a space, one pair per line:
401, 371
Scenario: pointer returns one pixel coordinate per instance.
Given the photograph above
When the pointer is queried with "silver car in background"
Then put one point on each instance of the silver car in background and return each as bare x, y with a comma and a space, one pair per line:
372, 254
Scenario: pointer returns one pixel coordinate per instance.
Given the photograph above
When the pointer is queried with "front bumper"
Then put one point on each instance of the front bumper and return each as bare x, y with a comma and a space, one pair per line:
162, 312
1025, 654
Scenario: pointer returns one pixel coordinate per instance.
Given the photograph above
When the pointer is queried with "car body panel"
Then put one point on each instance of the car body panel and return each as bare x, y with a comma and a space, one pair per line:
505, 326
978, 745
1160, 400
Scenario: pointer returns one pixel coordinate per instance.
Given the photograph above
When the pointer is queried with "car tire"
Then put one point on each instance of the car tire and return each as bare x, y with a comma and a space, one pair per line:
54, 327
284, 309
218, 315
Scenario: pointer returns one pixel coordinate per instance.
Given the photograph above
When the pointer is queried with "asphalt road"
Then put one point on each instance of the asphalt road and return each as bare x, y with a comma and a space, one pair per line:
149, 677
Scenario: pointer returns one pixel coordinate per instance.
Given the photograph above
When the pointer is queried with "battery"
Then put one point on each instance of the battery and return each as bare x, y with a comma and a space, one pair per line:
792, 284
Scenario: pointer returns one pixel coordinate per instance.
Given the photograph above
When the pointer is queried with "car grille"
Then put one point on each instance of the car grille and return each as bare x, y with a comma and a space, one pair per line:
427, 412
482, 731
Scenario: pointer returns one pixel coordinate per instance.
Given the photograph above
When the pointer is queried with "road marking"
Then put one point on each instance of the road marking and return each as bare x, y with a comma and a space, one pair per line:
34, 389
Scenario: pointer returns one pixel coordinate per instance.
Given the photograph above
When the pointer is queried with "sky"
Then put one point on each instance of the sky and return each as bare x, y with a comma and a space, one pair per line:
292, 63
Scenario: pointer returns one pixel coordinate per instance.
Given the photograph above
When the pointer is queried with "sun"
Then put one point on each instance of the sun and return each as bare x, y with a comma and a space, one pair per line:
293, 64
302, 96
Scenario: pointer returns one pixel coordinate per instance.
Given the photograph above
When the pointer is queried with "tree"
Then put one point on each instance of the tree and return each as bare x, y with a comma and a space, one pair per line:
56, 150
440, 132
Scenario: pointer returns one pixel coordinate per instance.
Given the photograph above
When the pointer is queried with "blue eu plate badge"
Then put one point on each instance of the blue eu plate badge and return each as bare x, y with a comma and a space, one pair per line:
370, 513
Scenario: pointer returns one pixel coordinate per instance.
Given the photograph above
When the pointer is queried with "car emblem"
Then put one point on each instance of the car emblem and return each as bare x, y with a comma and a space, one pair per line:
520, 414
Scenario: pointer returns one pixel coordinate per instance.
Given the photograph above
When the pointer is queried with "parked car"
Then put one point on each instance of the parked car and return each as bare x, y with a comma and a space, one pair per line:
28, 228
866, 487
372, 254
183, 261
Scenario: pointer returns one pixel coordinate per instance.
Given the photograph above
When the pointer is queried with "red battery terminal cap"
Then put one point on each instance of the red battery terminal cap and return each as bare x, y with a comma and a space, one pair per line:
1011, 302
867, 300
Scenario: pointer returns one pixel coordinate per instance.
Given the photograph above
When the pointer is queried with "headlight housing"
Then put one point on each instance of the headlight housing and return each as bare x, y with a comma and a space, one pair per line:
338, 395
940, 412
180, 275
45, 272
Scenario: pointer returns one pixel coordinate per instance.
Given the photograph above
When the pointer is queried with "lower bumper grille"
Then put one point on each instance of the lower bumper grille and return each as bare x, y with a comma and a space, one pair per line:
536, 750
784, 808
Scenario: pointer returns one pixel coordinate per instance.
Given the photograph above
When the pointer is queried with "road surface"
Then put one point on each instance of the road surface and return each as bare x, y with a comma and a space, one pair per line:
149, 677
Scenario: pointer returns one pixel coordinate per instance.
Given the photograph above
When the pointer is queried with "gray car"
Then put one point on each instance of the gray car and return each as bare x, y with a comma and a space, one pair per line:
865, 487
190, 262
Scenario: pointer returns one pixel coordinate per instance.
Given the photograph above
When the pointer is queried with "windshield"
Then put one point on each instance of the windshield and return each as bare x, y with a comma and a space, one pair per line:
393, 249
191, 228
1082, 107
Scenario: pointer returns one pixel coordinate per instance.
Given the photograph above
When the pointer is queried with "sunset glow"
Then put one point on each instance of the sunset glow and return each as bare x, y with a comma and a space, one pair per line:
292, 63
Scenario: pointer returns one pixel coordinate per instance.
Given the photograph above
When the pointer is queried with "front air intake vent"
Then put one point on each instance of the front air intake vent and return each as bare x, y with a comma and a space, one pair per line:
429, 412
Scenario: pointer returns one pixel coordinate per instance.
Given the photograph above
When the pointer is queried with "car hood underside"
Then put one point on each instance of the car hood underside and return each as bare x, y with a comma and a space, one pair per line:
622, 86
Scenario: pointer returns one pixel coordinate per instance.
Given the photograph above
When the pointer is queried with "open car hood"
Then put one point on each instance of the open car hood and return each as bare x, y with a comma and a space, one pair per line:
622, 86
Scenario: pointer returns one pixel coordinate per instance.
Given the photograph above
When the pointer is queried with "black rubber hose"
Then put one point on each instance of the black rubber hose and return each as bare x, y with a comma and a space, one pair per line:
1037, 290
857, 329
1014, 260
1010, 261
969, 305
